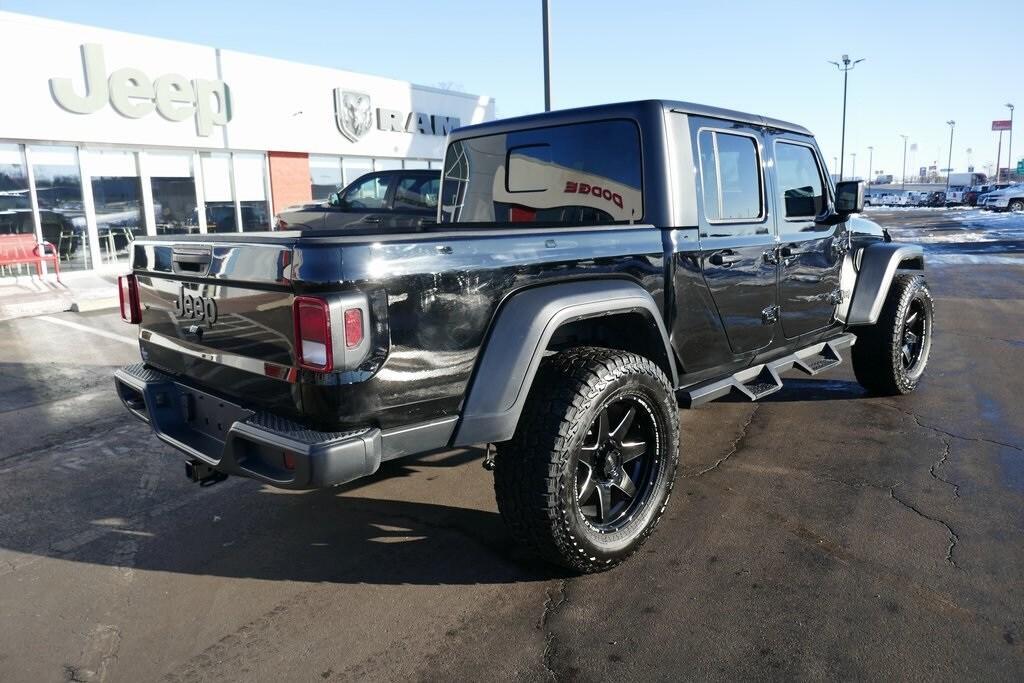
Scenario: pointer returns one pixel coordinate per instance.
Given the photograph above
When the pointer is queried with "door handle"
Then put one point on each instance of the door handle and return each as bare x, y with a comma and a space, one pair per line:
724, 259
372, 219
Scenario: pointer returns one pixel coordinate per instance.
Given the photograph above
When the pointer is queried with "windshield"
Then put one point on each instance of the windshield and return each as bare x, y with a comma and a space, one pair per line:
576, 174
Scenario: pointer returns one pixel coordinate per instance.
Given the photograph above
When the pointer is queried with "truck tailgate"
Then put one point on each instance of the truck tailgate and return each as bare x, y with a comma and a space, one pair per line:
219, 312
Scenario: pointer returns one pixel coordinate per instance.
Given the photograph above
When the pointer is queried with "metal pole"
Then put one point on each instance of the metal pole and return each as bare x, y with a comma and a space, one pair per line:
949, 163
842, 140
903, 186
845, 67
547, 54
853, 165
871, 158
1009, 150
999, 156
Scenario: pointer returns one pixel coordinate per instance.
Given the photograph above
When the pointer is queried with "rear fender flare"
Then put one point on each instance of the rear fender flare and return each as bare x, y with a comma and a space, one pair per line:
878, 265
519, 338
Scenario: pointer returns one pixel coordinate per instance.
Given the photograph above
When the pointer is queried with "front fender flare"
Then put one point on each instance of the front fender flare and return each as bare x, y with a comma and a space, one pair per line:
517, 342
878, 265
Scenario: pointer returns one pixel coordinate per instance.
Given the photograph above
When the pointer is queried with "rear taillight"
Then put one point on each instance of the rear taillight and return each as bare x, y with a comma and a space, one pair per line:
331, 331
314, 346
128, 294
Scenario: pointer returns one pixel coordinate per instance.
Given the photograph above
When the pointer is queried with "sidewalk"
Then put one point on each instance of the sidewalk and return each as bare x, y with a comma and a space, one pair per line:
25, 295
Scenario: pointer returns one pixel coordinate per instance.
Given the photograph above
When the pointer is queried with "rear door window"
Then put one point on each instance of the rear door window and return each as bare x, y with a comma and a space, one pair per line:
575, 174
730, 171
417, 193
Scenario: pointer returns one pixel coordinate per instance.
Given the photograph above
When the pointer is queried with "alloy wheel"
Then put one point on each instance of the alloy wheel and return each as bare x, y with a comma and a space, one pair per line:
915, 327
618, 463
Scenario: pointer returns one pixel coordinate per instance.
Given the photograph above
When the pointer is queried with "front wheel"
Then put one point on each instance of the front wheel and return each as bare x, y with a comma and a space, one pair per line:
591, 466
1016, 206
890, 356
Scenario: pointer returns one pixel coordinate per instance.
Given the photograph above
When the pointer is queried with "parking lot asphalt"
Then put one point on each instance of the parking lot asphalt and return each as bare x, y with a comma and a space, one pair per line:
818, 534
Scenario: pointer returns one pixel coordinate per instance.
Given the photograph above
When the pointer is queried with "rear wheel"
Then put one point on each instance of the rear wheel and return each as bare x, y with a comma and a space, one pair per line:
591, 466
1017, 205
890, 356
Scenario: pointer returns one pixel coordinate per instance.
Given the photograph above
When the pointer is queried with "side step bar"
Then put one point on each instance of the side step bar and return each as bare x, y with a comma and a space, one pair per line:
761, 380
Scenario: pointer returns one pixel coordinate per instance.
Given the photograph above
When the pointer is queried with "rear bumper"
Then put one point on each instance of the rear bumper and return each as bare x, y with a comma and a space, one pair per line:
239, 441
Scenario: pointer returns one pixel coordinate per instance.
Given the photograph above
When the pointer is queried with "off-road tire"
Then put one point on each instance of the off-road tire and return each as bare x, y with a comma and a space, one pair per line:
878, 353
535, 473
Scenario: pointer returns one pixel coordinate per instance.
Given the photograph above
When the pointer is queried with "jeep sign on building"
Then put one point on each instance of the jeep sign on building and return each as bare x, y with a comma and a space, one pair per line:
109, 135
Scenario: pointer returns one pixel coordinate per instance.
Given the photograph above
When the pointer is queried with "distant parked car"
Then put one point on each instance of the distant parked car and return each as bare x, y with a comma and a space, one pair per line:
955, 195
1010, 198
971, 195
935, 199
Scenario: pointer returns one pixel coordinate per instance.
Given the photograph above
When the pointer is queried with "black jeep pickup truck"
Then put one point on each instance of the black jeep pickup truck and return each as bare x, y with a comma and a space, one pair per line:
590, 271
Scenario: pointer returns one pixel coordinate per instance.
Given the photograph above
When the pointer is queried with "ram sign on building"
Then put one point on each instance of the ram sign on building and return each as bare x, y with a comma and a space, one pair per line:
108, 135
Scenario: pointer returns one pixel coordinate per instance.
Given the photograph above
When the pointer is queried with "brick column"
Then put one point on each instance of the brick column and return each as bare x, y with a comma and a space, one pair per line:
289, 179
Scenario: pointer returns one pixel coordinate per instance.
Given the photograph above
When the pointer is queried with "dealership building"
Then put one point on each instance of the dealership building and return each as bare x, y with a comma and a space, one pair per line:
108, 135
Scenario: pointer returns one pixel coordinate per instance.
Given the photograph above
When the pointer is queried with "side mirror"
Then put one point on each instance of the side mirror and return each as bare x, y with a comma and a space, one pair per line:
849, 197
333, 199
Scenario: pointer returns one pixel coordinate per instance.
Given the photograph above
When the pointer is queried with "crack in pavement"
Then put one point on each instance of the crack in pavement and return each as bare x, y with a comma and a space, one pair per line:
953, 537
551, 605
735, 444
934, 470
939, 430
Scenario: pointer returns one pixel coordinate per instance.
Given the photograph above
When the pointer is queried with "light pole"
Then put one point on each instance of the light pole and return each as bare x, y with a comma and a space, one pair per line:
871, 158
845, 67
903, 186
546, 11
949, 164
853, 165
1009, 152
835, 166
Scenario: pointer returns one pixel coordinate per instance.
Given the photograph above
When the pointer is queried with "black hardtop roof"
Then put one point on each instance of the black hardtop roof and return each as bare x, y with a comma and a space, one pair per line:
635, 109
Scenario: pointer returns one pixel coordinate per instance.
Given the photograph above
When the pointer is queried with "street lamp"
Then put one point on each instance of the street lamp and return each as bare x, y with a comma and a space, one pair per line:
1009, 152
845, 67
904, 178
871, 158
949, 164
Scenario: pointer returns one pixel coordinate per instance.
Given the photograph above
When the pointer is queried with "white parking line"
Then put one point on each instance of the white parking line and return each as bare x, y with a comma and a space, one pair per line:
85, 328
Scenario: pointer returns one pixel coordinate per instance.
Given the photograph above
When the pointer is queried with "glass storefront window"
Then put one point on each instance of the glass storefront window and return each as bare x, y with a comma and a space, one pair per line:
353, 167
15, 203
251, 190
174, 192
324, 176
220, 204
61, 211
117, 196
387, 164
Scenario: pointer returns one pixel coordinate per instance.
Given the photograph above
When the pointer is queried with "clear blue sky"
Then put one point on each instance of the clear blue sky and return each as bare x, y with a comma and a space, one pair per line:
927, 62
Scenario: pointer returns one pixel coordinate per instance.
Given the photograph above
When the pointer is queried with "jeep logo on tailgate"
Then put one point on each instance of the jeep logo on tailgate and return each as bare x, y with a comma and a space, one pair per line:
190, 306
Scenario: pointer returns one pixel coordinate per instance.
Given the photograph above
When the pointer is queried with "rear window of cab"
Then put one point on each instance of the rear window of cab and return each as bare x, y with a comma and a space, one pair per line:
575, 174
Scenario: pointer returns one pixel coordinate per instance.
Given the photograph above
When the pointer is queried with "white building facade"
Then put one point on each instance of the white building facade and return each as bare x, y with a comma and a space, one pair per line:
107, 135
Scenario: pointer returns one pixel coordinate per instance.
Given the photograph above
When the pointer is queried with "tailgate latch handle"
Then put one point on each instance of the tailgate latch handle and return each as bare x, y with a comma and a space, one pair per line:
191, 259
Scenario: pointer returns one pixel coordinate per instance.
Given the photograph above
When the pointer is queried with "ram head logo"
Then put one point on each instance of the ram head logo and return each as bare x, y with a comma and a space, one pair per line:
353, 113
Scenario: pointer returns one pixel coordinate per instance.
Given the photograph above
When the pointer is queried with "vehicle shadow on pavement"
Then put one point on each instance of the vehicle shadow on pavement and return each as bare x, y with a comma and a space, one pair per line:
373, 531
